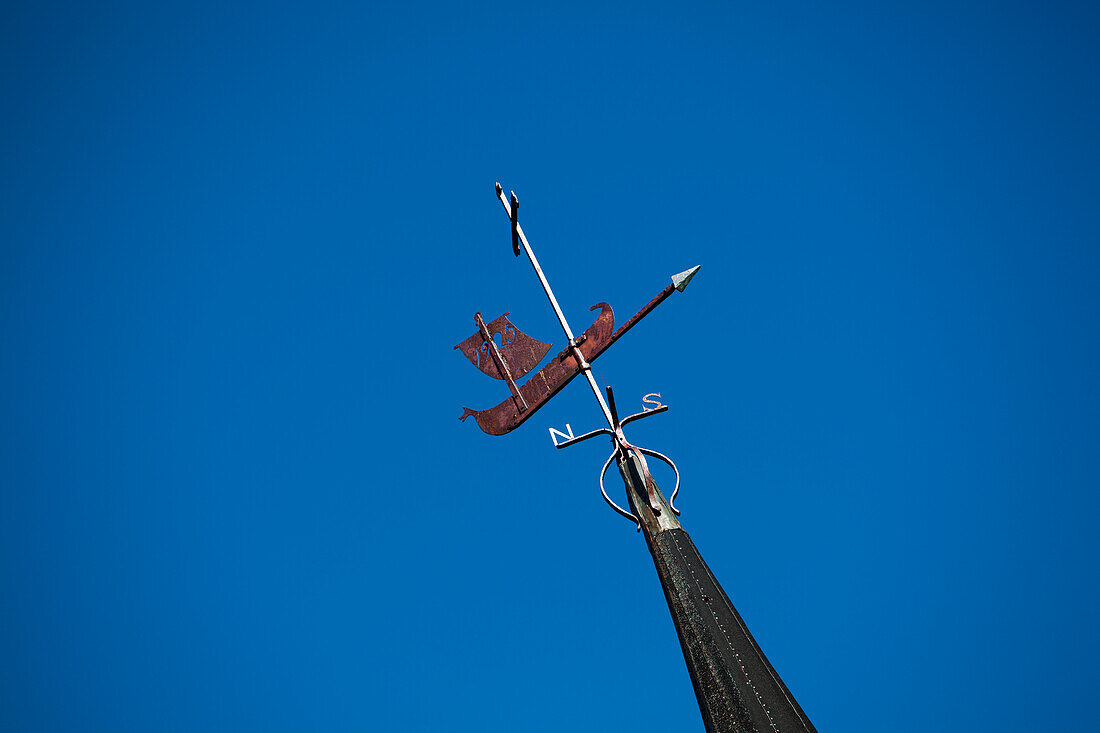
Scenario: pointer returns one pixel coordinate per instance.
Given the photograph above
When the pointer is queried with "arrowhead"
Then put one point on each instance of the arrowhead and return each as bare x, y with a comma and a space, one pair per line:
681, 280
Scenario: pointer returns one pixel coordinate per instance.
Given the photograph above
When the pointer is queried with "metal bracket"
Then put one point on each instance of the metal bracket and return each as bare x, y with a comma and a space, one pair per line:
622, 449
644, 413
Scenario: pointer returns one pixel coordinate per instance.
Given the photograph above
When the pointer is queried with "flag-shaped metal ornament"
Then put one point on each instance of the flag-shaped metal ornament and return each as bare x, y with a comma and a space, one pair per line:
520, 352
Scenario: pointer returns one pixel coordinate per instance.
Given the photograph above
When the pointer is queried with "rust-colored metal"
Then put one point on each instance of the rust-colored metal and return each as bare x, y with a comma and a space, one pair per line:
633, 320
502, 366
568, 350
549, 380
521, 352
574, 359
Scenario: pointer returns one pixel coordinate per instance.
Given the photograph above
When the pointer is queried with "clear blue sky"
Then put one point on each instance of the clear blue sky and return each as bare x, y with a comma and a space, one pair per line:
238, 241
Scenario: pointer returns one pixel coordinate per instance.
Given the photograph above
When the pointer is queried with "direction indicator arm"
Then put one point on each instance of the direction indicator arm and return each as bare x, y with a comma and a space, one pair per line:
679, 282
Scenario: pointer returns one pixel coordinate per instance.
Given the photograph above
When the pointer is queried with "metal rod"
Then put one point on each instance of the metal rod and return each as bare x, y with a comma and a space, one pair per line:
517, 229
633, 320
502, 366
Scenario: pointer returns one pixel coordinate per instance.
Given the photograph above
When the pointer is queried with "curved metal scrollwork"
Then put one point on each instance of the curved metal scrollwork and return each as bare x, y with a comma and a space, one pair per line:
660, 456
622, 450
607, 498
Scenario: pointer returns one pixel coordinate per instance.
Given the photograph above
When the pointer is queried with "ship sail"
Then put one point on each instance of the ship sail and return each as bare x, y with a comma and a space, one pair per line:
521, 352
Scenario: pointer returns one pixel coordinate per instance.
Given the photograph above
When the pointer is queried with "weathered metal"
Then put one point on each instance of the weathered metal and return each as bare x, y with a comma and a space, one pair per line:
645, 311
521, 352
736, 687
548, 381
502, 366
574, 359
621, 450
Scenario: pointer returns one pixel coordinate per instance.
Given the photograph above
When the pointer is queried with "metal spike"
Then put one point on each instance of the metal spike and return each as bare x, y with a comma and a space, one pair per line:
680, 280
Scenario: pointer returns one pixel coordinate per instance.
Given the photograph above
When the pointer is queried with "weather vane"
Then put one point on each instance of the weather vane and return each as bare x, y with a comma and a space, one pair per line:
738, 690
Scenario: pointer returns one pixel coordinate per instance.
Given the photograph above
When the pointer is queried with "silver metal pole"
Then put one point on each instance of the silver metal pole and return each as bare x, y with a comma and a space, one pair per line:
585, 366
